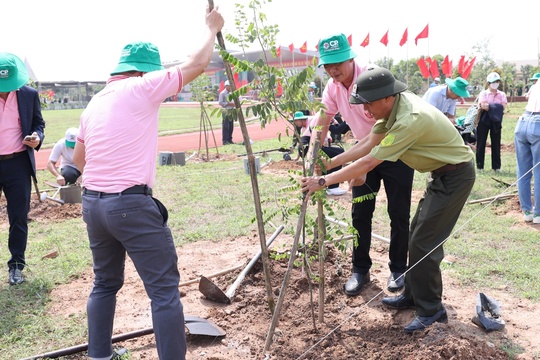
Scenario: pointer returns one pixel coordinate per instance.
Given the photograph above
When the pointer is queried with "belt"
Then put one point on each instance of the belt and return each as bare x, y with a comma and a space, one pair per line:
450, 167
137, 189
532, 113
11, 156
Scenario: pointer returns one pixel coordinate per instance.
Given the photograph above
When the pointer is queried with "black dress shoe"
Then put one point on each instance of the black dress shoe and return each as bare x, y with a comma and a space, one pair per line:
354, 285
398, 302
421, 322
396, 282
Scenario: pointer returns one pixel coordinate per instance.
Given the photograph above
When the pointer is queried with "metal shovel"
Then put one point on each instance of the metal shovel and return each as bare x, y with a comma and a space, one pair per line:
212, 292
194, 325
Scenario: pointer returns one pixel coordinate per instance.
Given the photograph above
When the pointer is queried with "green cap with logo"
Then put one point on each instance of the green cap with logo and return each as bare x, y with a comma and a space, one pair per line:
535, 77
334, 50
13, 73
139, 56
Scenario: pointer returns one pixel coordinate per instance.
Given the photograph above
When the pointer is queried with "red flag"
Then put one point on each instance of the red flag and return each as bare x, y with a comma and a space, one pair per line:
317, 46
445, 67
349, 39
384, 39
221, 86
434, 68
423, 35
421, 62
461, 63
303, 48
468, 68
291, 47
278, 51
366, 41
404, 37
279, 88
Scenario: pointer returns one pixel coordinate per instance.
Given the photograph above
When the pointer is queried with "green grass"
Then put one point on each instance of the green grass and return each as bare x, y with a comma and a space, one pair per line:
214, 200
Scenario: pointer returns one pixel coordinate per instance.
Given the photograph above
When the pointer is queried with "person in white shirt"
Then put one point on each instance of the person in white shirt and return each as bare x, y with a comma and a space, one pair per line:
63, 151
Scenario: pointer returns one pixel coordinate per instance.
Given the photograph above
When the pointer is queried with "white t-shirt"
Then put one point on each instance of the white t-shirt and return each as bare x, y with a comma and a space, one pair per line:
60, 150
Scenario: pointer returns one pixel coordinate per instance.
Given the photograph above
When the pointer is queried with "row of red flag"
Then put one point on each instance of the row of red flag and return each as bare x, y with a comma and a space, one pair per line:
429, 66
384, 40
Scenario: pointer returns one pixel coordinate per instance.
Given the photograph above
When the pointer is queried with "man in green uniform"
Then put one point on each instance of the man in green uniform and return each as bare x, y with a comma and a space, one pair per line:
418, 134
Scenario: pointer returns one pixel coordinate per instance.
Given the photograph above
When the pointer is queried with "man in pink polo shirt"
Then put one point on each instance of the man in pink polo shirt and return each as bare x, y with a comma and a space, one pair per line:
116, 152
338, 60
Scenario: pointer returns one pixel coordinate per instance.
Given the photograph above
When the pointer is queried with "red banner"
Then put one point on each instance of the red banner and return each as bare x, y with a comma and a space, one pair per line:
303, 48
434, 68
423, 35
384, 39
421, 62
405, 37
366, 41
446, 67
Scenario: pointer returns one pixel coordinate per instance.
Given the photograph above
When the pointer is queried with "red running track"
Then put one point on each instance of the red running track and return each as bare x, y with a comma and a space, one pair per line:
190, 141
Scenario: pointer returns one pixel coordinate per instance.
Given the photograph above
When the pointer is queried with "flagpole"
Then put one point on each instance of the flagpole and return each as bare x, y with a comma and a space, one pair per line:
407, 61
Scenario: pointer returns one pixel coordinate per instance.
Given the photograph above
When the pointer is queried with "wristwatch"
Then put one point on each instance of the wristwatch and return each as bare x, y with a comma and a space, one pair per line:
322, 181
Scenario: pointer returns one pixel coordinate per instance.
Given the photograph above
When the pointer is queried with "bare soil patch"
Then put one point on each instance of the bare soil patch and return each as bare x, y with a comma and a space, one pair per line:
353, 328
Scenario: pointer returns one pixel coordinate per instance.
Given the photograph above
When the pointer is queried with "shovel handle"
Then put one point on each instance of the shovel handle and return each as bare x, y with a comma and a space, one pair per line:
232, 290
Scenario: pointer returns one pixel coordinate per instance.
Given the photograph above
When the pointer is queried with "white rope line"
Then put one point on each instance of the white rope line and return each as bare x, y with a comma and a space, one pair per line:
411, 267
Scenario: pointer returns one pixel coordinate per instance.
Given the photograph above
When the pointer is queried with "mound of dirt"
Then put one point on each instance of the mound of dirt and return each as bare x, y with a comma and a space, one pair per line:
349, 328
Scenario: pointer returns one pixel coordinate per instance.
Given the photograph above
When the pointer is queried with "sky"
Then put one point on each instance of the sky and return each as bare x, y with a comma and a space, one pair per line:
67, 40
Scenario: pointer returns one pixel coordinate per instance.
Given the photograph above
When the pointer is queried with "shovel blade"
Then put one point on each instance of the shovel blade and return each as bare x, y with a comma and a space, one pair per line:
200, 326
212, 292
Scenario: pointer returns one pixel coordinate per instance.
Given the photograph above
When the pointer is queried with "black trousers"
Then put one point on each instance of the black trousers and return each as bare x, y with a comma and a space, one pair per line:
15, 180
227, 127
397, 178
70, 174
494, 130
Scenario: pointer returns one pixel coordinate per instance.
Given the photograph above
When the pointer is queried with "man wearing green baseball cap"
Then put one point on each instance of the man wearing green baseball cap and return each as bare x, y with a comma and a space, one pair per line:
116, 152
445, 97
21, 132
412, 130
337, 58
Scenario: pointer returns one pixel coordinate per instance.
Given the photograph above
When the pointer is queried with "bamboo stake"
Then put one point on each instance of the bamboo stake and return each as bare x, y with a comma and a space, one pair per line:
322, 236
252, 173
299, 227
497, 197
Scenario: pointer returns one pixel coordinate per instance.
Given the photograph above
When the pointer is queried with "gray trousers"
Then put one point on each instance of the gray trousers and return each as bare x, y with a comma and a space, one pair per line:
135, 224
436, 216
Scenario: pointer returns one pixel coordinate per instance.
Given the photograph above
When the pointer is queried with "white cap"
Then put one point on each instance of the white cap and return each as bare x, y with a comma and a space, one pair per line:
492, 77
227, 83
71, 137
437, 79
